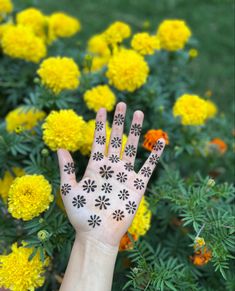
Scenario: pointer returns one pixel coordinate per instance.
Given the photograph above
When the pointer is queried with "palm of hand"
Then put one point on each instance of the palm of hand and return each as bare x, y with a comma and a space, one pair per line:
104, 202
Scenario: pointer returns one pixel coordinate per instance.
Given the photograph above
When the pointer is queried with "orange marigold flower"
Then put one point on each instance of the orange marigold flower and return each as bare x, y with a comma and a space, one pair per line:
125, 243
201, 257
220, 144
152, 136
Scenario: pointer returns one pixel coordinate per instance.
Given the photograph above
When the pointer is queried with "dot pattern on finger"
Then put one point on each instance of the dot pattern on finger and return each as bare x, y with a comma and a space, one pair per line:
94, 220
153, 159
69, 168
131, 207
89, 186
119, 119
158, 145
99, 125
106, 172
116, 142
136, 129
121, 177
102, 202
138, 184
123, 194
146, 172
79, 201
107, 188
129, 167
97, 156
118, 215
130, 150
100, 140
114, 159
65, 189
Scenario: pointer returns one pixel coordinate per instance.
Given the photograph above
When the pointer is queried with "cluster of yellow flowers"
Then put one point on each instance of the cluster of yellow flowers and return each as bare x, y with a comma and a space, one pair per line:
193, 110
18, 273
6, 7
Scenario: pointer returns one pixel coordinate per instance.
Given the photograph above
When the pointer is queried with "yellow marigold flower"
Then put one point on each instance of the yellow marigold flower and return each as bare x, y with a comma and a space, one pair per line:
24, 119
98, 45
127, 70
98, 63
144, 43
88, 135
4, 27
191, 108
7, 180
141, 222
173, 34
63, 129
117, 32
59, 73
29, 196
18, 273
100, 96
193, 53
34, 19
211, 109
6, 7
21, 43
62, 25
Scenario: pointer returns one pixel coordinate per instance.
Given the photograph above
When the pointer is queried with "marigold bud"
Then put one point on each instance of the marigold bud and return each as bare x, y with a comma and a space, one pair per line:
43, 235
210, 183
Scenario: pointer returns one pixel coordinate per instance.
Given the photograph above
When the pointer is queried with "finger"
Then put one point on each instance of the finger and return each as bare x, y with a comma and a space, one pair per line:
115, 142
67, 167
133, 138
153, 159
99, 141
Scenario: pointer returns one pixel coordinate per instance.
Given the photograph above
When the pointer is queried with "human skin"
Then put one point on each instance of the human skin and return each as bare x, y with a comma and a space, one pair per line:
102, 205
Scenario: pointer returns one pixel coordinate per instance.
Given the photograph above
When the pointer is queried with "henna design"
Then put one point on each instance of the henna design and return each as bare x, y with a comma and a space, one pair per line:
94, 220
122, 177
69, 168
106, 172
154, 158
106, 187
146, 172
102, 202
129, 167
131, 207
101, 140
79, 201
139, 184
89, 186
99, 125
65, 189
119, 119
130, 150
116, 142
118, 215
98, 156
158, 146
114, 158
123, 195
136, 129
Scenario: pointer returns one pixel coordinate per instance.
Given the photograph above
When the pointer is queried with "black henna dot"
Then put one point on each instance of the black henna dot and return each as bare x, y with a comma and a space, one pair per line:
79, 201
130, 150
136, 129
69, 168
146, 172
97, 156
94, 220
131, 207
118, 215
102, 202
119, 119
106, 172
89, 186
65, 189
121, 177
138, 184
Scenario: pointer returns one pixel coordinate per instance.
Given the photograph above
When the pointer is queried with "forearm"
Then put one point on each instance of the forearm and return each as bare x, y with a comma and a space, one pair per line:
90, 266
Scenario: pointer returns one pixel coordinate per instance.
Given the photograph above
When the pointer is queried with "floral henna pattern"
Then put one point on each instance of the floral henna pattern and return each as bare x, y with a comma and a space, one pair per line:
106, 172
98, 156
94, 220
138, 184
114, 158
102, 202
136, 129
146, 172
154, 159
130, 150
124, 194
122, 177
119, 119
101, 140
116, 142
89, 186
158, 146
99, 125
118, 215
65, 189
129, 167
131, 207
79, 201
107, 188
69, 168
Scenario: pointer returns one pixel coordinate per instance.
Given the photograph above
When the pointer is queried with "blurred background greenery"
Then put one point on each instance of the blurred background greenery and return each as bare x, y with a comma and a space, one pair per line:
211, 23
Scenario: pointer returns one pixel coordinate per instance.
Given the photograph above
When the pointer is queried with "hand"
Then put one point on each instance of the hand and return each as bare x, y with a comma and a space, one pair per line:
103, 204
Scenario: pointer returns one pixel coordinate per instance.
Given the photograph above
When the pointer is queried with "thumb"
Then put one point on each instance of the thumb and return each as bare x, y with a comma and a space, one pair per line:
67, 166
